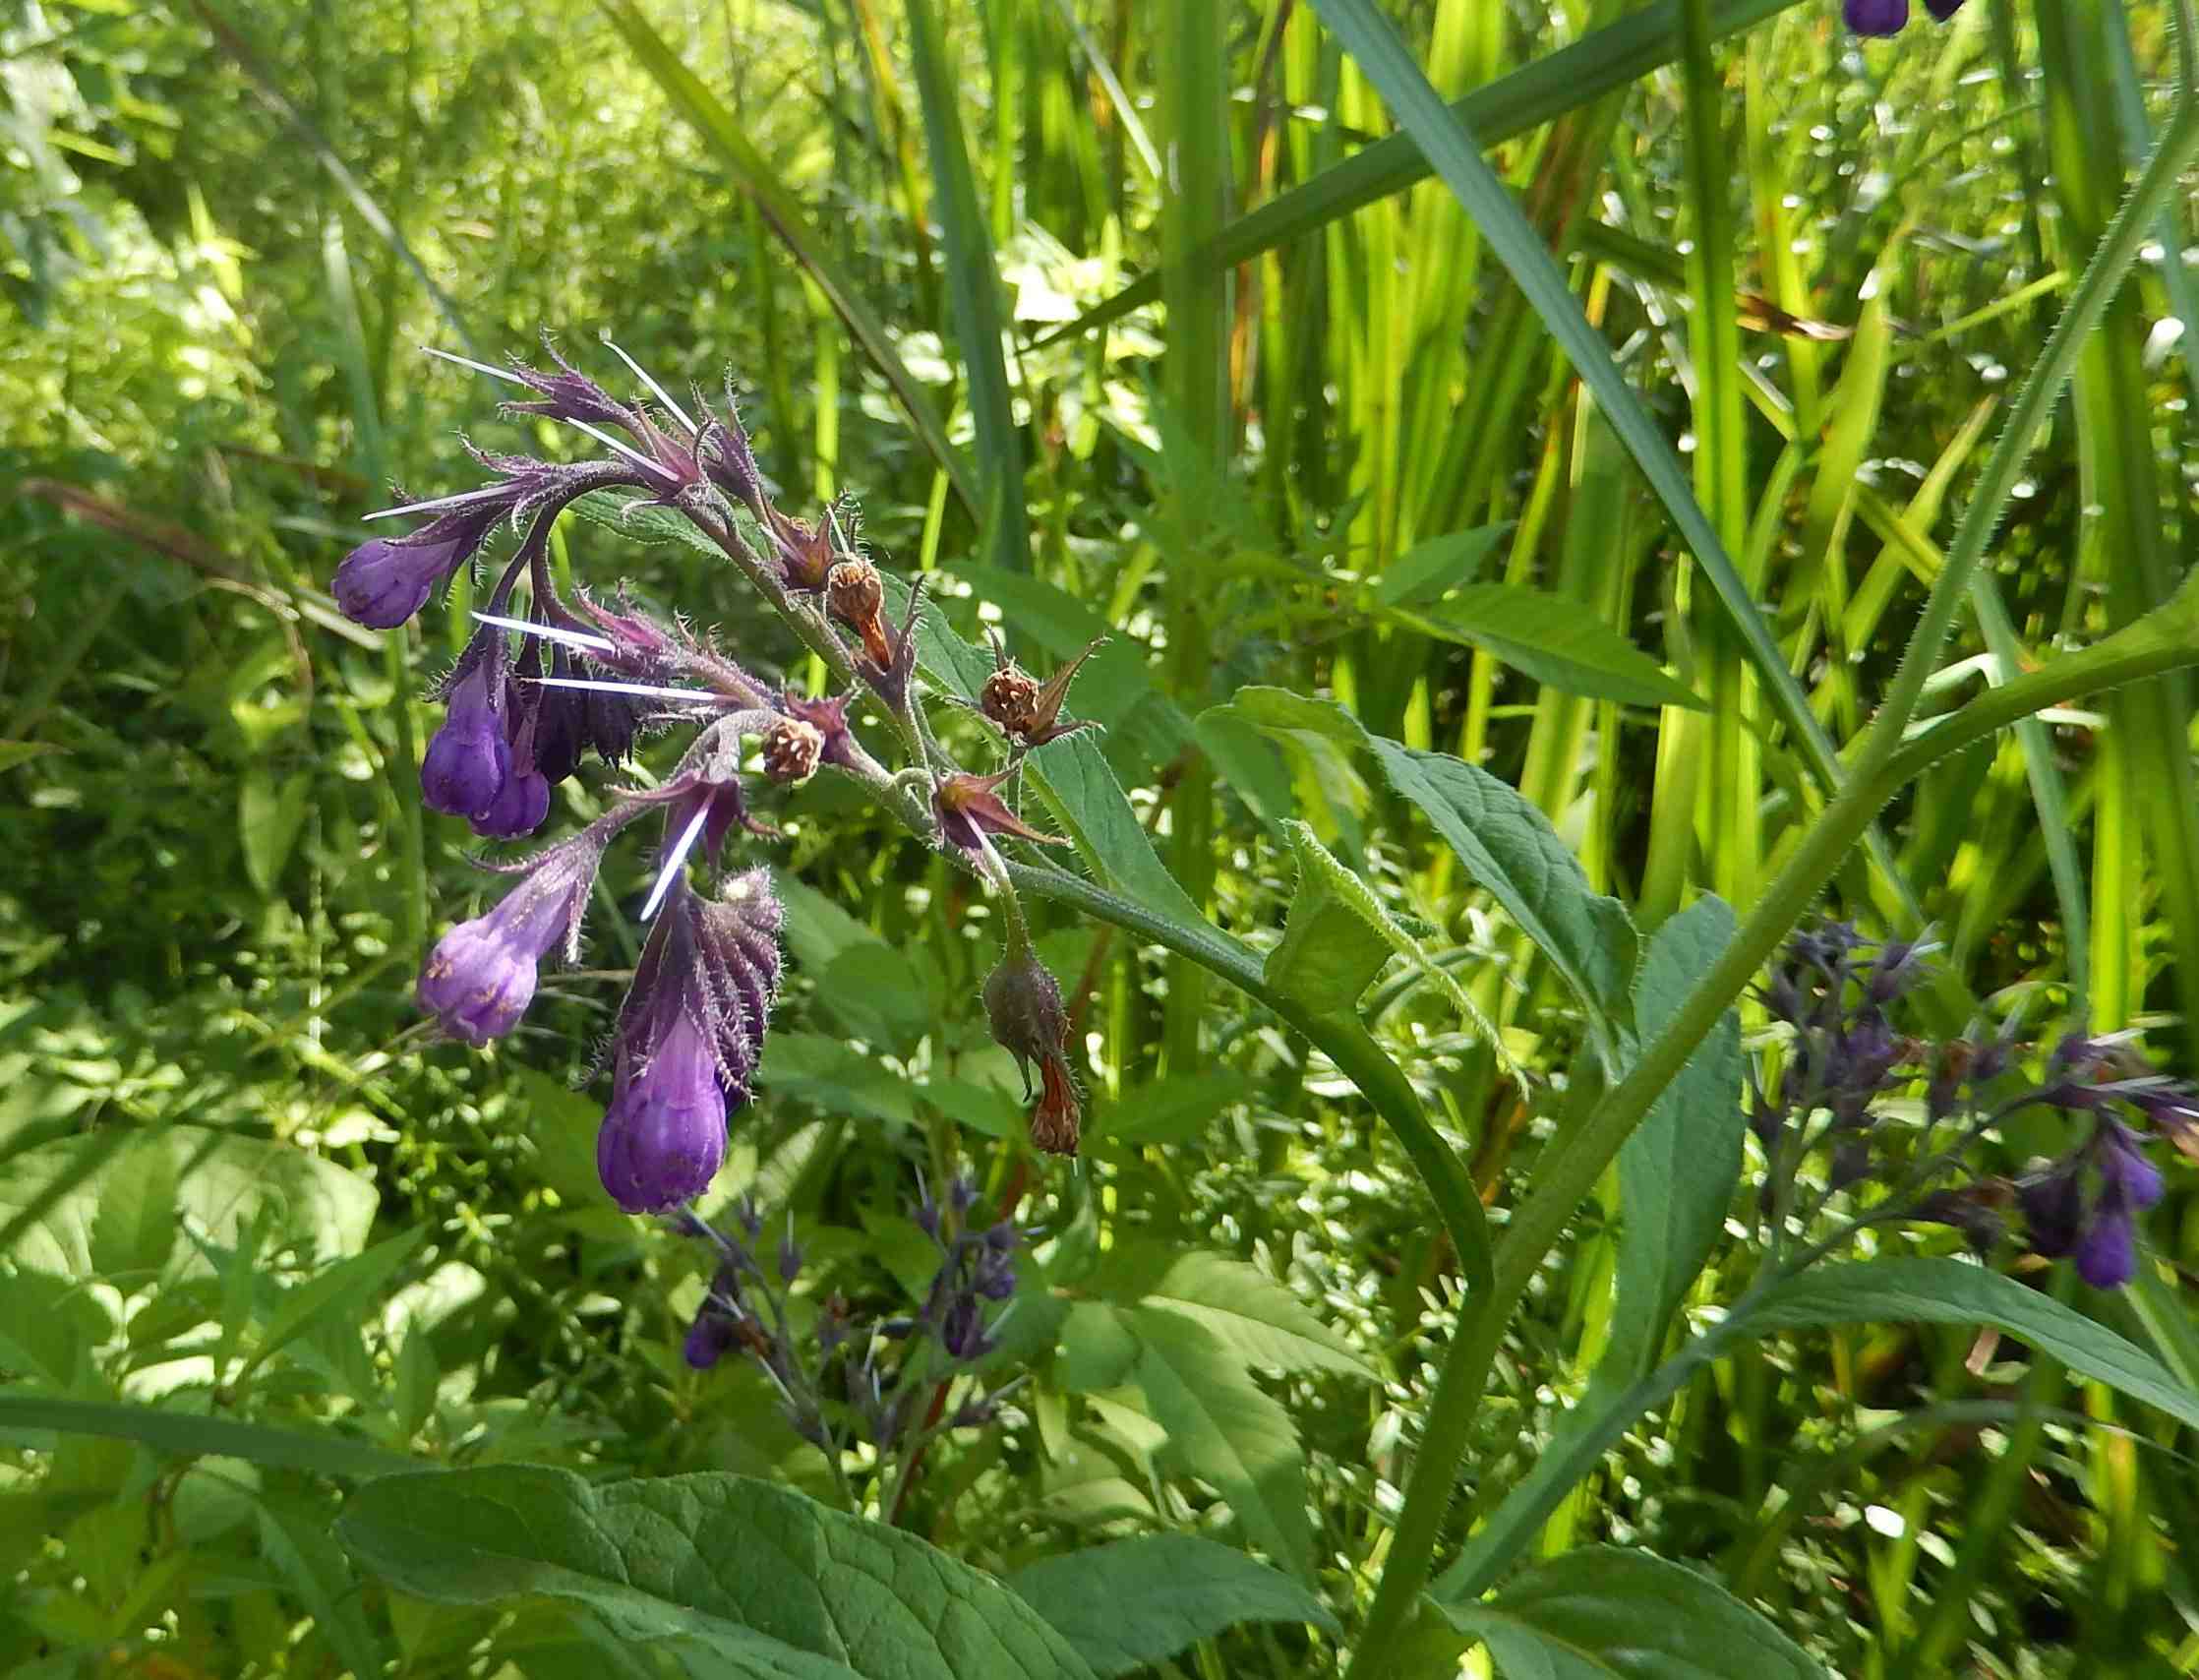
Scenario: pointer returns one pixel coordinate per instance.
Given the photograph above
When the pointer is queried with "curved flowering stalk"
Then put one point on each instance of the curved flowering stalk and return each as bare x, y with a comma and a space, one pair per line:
1844, 1063
596, 674
894, 1383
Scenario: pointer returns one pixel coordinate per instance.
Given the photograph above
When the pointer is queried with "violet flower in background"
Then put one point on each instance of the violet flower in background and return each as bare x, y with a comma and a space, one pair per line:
845, 1380
1844, 1089
1888, 16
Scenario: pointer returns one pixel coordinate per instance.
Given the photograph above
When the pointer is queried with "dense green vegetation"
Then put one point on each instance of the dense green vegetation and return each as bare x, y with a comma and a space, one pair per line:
1564, 477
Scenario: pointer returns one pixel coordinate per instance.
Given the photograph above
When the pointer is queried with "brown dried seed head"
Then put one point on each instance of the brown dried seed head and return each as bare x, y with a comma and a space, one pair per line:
1010, 699
790, 750
857, 596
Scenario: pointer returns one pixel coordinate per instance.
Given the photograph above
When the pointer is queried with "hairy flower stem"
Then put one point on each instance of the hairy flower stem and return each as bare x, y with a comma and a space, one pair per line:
1880, 769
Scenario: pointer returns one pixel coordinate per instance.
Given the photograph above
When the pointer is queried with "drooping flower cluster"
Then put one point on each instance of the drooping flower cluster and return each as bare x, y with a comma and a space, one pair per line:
894, 1381
590, 676
1890, 17
1844, 1067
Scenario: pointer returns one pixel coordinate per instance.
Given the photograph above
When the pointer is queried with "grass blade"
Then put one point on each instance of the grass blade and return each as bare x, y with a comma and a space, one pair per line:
974, 296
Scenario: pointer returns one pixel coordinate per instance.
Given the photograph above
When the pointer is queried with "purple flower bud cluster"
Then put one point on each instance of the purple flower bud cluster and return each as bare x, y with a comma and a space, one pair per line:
1846, 1071
545, 680
893, 1381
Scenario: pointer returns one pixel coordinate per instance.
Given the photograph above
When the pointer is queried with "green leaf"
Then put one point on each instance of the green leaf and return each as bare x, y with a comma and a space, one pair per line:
1678, 1168
55, 1192
135, 1225
1507, 845
1425, 570
268, 817
1174, 1110
751, 174
833, 1076
1606, 1613
294, 1537
14, 752
1097, 1349
1227, 1431
1552, 639
339, 1292
1138, 1602
325, 1454
1925, 1290
1335, 941
770, 1581
1905, 1289
1250, 1314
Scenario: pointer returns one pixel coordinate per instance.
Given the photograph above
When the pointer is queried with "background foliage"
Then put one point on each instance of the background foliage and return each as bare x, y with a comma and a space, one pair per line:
241, 1188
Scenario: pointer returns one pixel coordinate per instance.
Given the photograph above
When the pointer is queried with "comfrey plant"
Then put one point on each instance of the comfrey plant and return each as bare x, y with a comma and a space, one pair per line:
1839, 1088
590, 676
891, 1385
1651, 1134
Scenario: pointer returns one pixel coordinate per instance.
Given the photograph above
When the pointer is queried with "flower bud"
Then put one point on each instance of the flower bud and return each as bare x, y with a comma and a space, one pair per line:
664, 1136
481, 976
467, 763
383, 583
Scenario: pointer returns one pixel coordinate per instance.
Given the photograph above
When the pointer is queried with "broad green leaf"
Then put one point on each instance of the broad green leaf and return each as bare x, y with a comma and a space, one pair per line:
749, 172
1607, 1613
342, 1292
1254, 1317
1904, 1288
1507, 845
1925, 1290
49, 1327
135, 1226
1248, 760
14, 752
1223, 1429
833, 1076
1072, 777
1098, 1350
1334, 942
872, 992
1174, 1110
1552, 639
1425, 570
772, 1582
1138, 1602
1678, 1168
223, 1182
325, 1454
